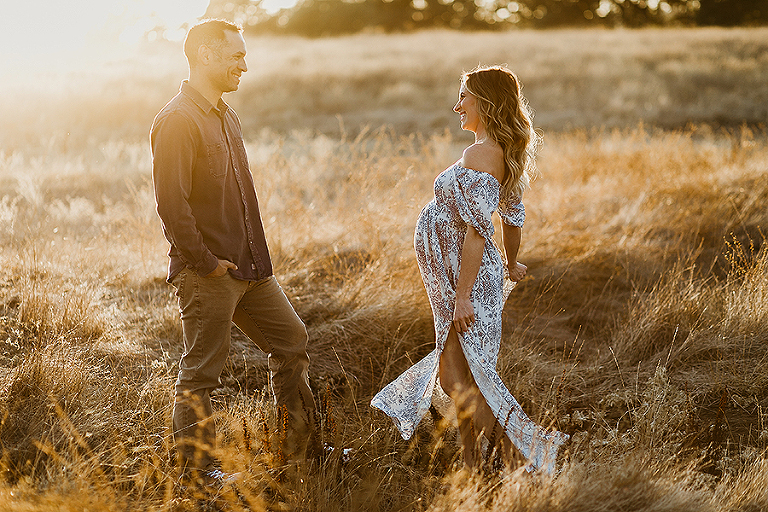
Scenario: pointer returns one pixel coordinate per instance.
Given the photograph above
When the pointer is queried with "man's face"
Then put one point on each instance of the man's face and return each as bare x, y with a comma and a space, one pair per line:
227, 63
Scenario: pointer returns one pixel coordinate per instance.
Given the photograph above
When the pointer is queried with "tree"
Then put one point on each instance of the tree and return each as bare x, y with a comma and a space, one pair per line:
732, 12
558, 13
315, 18
321, 17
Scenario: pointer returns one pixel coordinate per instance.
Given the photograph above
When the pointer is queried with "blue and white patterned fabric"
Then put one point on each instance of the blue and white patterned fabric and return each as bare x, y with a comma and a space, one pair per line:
466, 197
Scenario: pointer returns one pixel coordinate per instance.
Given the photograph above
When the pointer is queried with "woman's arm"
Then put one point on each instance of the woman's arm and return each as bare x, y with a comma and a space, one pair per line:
510, 237
471, 258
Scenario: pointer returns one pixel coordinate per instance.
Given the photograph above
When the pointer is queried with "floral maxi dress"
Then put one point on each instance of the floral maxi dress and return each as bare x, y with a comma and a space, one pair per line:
466, 197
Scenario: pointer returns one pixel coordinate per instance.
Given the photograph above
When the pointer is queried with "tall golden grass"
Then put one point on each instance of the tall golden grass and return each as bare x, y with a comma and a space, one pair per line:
638, 331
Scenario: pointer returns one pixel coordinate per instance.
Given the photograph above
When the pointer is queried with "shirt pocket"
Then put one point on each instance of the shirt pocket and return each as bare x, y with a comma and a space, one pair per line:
218, 159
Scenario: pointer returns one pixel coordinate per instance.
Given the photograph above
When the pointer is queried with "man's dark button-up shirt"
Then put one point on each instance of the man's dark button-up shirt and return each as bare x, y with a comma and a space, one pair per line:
204, 189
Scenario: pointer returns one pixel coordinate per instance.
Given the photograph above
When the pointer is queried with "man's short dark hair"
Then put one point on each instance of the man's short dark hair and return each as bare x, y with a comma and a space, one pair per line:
210, 32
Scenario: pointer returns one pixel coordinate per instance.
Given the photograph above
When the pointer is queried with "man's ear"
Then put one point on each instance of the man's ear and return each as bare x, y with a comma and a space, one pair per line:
203, 54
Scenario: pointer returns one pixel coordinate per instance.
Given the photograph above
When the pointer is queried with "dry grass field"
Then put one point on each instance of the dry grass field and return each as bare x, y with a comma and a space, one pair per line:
640, 330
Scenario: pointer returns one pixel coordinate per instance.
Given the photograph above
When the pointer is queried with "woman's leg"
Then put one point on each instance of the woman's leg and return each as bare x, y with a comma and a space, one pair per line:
474, 414
456, 379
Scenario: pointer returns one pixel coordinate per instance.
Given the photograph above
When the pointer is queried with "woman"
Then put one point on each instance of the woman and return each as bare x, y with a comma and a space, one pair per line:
463, 273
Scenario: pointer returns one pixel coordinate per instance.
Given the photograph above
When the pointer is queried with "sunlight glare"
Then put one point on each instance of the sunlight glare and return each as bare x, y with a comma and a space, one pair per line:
51, 35
272, 6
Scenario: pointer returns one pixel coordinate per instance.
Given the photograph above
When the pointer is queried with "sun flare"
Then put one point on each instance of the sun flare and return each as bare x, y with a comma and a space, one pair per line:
51, 33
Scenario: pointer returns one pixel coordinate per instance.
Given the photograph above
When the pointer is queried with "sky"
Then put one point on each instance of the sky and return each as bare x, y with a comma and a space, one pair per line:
41, 35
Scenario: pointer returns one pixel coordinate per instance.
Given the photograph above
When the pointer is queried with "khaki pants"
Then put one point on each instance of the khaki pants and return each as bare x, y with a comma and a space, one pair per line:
262, 312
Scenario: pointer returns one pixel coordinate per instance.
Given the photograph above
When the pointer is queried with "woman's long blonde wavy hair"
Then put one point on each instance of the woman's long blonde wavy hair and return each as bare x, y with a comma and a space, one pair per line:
508, 120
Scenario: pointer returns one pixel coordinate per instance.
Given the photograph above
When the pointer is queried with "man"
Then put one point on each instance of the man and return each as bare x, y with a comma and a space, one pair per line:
219, 261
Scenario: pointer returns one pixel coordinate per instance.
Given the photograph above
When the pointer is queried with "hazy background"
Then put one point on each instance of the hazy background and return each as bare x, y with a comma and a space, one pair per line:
85, 69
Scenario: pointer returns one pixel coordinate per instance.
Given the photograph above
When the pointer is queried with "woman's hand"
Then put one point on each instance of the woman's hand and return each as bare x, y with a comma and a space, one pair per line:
463, 315
517, 271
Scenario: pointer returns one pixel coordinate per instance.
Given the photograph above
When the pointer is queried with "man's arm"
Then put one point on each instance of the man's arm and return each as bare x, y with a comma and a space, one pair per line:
173, 159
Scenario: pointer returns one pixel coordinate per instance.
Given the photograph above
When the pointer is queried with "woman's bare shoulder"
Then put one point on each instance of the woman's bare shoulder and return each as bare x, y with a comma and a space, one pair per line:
484, 157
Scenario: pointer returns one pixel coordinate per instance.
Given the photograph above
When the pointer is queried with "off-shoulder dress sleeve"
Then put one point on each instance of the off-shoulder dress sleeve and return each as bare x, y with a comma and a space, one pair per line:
512, 211
477, 197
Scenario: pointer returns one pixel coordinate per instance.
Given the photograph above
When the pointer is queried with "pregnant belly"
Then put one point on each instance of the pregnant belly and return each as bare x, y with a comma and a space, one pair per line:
437, 240
434, 224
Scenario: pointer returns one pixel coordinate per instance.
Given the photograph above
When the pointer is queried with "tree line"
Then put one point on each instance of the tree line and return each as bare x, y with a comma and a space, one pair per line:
316, 18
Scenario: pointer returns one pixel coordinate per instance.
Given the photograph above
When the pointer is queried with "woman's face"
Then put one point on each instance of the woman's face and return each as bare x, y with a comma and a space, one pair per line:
466, 107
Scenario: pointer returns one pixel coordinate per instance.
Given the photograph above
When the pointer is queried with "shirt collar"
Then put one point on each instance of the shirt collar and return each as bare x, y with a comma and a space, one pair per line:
200, 100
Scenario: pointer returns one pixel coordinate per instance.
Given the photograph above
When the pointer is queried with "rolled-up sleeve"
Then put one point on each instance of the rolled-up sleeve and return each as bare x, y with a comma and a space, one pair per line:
512, 211
174, 150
